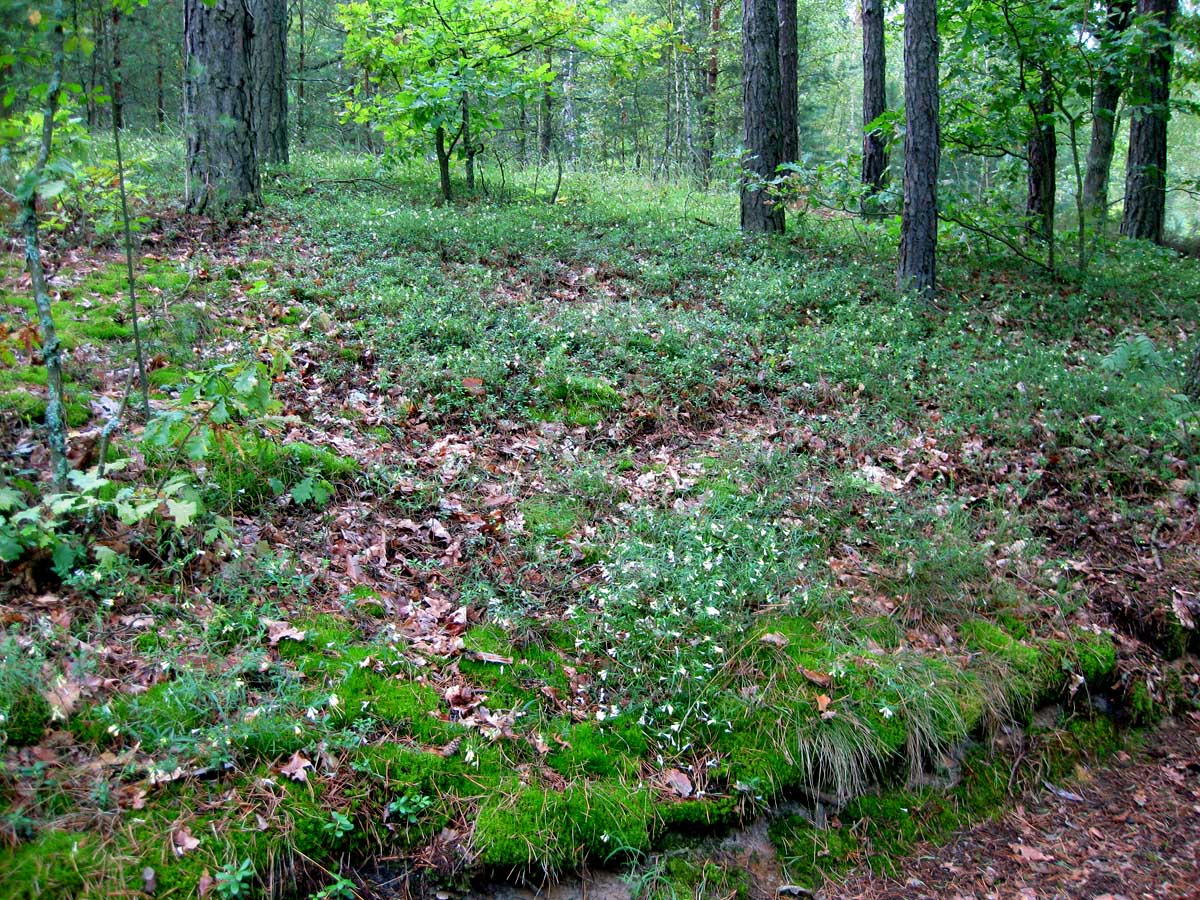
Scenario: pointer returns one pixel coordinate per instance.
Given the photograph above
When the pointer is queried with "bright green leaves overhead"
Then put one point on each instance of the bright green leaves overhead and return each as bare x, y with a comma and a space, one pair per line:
456, 65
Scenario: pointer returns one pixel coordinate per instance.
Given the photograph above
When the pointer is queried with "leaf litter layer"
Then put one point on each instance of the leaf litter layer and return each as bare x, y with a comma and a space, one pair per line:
578, 528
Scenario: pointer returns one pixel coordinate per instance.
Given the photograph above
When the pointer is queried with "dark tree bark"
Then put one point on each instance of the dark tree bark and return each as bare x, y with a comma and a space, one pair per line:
269, 70
1042, 151
789, 97
468, 145
222, 163
1104, 112
545, 121
922, 149
708, 97
874, 163
118, 89
301, 130
762, 115
1146, 172
160, 103
443, 159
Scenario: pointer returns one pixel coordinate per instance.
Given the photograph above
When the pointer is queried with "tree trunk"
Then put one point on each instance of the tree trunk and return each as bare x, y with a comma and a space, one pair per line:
1146, 172
269, 80
160, 103
545, 125
874, 163
1042, 150
1104, 112
301, 133
522, 129
222, 163
443, 159
762, 115
468, 146
918, 224
789, 99
118, 89
708, 101
56, 426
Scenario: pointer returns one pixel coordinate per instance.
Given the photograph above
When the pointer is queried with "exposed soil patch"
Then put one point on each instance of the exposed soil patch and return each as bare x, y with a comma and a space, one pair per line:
1129, 830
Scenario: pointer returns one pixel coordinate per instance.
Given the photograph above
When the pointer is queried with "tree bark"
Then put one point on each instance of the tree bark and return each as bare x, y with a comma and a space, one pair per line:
916, 270
789, 96
301, 133
708, 100
1042, 150
874, 163
468, 146
443, 158
56, 426
762, 115
222, 162
545, 123
160, 103
1104, 112
1146, 172
269, 80
118, 89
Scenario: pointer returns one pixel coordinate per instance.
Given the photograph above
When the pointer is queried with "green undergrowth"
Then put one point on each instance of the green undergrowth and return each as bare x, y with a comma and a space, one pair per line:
881, 828
732, 524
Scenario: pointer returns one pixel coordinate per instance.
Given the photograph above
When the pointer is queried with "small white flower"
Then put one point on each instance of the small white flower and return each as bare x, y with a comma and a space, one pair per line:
886, 711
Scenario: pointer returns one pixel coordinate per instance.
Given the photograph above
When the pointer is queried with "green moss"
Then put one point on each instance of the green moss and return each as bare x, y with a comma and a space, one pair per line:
325, 637
32, 408
523, 827
26, 715
590, 748
550, 517
409, 706
698, 815
1142, 708
57, 865
1095, 655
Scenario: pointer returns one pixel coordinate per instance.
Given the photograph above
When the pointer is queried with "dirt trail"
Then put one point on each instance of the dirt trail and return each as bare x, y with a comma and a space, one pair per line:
1128, 831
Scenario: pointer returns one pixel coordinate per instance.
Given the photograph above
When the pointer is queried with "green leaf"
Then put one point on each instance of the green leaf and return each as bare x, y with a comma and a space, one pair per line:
304, 491
182, 511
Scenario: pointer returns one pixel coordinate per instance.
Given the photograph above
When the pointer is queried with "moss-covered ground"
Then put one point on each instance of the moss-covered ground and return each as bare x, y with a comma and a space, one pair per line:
577, 531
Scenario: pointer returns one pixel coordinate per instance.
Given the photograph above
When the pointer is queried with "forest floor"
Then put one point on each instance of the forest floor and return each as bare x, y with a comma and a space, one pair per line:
502, 538
1129, 829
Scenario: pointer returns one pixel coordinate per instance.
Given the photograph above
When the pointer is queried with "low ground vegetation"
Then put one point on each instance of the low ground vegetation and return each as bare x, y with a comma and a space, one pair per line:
507, 536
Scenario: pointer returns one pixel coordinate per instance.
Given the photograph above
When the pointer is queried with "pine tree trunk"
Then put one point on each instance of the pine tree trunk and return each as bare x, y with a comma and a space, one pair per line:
789, 99
762, 115
269, 69
1146, 172
918, 224
301, 127
160, 103
874, 163
222, 163
708, 97
1104, 113
1042, 184
118, 89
